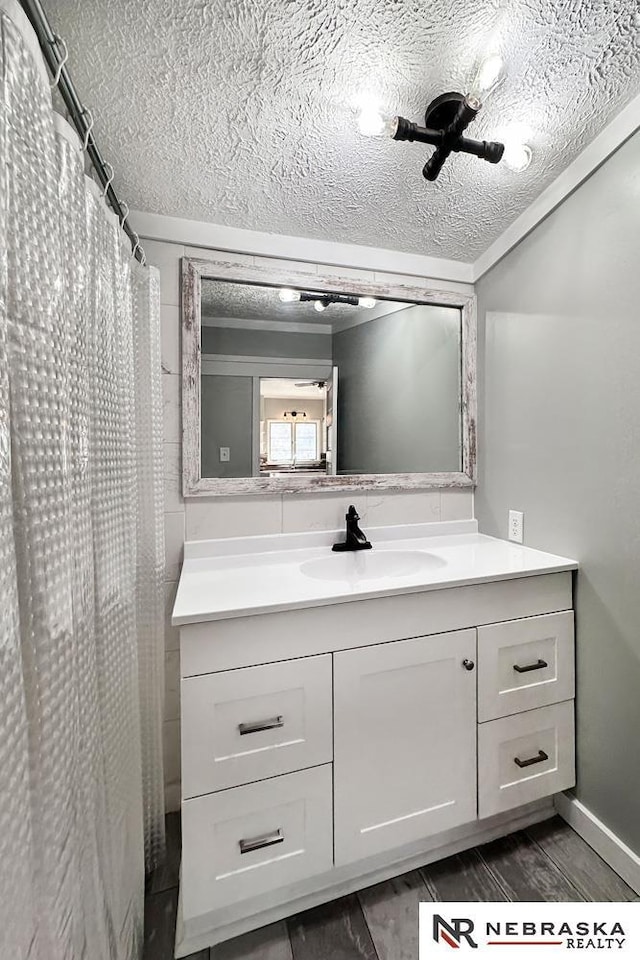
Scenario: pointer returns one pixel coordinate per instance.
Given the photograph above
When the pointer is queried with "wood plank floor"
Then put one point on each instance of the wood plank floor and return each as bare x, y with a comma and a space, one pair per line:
549, 861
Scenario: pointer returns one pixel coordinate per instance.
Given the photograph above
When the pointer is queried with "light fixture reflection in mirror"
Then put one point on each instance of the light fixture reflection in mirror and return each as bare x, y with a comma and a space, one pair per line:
322, 300
296, 380
287, 295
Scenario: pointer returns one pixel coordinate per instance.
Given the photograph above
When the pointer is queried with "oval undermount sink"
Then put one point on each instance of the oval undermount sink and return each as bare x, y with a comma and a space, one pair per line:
369, 565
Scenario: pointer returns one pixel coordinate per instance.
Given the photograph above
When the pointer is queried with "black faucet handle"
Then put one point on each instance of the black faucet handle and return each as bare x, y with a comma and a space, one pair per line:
356, 539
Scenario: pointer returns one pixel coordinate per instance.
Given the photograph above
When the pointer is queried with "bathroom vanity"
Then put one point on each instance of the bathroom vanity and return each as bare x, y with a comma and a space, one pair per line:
347, 717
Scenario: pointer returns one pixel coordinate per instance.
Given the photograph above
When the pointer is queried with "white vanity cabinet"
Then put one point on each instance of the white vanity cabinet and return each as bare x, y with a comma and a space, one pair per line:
327, 748
405, 742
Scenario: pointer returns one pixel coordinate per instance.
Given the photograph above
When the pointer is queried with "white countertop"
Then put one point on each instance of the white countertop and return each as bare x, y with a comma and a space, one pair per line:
252, 575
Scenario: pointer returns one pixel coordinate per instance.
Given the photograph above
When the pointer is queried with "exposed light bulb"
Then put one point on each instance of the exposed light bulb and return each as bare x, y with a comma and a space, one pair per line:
289, 296
517, 156
319, 306
366, 302
489, 76
373, 123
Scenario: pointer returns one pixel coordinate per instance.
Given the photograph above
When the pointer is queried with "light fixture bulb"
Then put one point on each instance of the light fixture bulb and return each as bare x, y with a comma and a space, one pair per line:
517, 156
373, 123
319, 306
489, 76
289, 296
366, 302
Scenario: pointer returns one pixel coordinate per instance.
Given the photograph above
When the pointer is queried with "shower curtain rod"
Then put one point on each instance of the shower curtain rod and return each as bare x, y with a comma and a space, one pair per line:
77, 112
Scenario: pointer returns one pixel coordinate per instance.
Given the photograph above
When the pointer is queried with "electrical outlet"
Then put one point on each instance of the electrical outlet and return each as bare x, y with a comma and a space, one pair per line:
516, 523
225, 454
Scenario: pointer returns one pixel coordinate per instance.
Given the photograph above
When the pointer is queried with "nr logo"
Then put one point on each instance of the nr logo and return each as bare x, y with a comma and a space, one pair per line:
454, 931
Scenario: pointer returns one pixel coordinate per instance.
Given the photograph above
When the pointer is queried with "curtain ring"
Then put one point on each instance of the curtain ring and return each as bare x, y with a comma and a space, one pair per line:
136, 245
59, 42
112, 174
124, 206
87, 113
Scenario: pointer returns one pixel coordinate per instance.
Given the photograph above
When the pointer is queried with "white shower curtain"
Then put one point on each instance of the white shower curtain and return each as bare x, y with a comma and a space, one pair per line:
81, 547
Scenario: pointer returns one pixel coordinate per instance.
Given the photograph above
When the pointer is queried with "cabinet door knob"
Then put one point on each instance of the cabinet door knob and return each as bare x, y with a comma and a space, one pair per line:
468, 664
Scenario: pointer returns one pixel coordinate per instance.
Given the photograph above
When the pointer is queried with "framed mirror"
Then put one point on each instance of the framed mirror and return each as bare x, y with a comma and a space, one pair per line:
294, 382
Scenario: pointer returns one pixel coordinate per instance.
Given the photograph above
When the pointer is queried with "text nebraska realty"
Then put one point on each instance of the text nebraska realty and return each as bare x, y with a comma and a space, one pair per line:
575, 936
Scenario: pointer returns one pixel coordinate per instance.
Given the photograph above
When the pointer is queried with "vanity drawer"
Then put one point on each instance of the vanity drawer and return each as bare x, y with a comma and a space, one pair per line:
257, 722
525, 757
253, 839
523, 664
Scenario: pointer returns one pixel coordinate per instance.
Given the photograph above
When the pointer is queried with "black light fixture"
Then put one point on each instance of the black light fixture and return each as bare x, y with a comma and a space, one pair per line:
323, 300
446, 119
294, 413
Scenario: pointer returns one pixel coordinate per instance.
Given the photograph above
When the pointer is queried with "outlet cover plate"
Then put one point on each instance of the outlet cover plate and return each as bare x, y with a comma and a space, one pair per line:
516, 524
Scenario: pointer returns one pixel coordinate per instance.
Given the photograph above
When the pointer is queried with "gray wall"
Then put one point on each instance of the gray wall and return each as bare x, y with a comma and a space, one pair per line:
226, 422
232, 341
560, 439
399, 392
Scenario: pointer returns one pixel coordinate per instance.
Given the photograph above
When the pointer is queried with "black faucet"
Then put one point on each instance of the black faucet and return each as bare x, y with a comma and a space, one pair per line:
356, 539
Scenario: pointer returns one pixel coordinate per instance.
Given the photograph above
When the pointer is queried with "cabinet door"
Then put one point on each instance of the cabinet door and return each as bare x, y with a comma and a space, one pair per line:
405, 742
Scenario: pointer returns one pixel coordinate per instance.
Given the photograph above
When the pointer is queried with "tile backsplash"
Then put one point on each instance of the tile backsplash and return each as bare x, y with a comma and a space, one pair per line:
243, 516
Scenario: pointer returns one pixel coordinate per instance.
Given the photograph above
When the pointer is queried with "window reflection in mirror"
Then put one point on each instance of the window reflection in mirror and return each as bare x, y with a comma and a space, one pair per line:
297, 381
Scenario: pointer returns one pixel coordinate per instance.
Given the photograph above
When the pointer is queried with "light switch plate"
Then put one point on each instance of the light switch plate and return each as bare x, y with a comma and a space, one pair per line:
225, 454
516, 524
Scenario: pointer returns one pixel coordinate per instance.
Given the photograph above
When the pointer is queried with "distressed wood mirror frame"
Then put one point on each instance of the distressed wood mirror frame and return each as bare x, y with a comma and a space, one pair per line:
195, 485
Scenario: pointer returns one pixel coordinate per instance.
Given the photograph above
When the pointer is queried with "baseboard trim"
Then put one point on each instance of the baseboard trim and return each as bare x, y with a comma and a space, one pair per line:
217, 927
604, 841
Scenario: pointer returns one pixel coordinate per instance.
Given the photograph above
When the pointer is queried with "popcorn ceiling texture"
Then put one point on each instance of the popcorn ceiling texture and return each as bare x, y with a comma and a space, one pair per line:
240, 112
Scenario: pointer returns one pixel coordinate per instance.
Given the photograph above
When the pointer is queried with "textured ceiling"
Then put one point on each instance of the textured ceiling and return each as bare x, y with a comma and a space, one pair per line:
248, 302
240, 112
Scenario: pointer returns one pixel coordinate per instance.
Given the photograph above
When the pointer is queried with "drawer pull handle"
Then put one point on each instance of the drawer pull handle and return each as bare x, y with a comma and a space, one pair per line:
538, 665
527, 763
257, 725
266, 840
